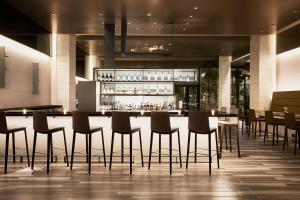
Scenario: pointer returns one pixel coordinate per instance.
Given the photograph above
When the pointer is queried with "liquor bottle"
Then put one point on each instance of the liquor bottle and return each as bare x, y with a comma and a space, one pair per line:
169, 76
157, 90
110, 77
155, 77
180, 79
149, 78
103, 78
162, 76
140, 77
106, 77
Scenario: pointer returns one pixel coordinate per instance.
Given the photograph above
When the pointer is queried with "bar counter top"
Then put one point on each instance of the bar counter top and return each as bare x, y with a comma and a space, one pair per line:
108, 113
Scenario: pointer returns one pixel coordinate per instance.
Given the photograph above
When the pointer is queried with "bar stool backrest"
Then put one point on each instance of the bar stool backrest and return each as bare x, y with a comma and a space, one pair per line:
290, 121
160, 122
269, 117
40, 123
199, 122
81, 122
252, 114
120, 122
3, 123
240, 113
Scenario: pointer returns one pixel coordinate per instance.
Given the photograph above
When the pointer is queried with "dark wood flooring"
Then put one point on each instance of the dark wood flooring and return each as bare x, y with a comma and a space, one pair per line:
263, 172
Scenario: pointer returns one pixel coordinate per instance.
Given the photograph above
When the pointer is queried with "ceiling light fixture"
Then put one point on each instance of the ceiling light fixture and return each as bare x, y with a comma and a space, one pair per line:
195, 8
191, 16
149, 14
154, 23
187, 23
170, 44
100, 14
128, 23
52, 14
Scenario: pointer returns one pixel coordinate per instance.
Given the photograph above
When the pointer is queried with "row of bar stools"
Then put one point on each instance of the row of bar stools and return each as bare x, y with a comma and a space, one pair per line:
270, 120
4, 129
202, 128
160, 124
81, 125
40, 125
121, 125
291, 124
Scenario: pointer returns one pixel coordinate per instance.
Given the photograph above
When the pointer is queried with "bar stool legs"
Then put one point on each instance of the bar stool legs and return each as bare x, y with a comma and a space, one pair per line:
66, 150
6, 153
33, 150
141, 148
104, 156
170, 153
73, 147
111, 149
150, 151
90, 151
195, 148
188, 150
179, 147
159, 148
27, 150
14, 147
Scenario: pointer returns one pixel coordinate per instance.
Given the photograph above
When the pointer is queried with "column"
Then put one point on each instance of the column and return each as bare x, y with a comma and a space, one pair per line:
224, 81
90, 64
262, 70
64, 70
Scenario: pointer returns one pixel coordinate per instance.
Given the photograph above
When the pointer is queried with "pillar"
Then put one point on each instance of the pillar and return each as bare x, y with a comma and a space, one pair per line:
224, 81
63, 70
262, 70
91, 62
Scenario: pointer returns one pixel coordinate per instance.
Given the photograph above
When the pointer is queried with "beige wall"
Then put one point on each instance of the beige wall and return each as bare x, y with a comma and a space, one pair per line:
224, 81
18, 89
288, 70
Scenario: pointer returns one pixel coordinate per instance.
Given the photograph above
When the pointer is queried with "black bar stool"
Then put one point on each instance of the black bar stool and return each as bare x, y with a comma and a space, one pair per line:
121, 124
40, 125
253, 120
81, 125
4, 129
160, 124
270, 120
199, 124
291, 123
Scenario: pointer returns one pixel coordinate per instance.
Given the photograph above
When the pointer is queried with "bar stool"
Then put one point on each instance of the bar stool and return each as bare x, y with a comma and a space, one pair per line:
270, 120
81, 125
253, 120
199, 124
160, 124
40, 125
291, 123
242, 118
121, 124
4, 129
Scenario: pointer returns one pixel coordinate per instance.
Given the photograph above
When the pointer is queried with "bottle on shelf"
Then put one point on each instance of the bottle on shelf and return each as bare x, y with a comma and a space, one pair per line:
141, 77
162, 76
102, 79
155, 76
149, 77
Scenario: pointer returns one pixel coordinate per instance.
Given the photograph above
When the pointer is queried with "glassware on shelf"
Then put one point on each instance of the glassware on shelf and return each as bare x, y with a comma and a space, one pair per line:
149, 77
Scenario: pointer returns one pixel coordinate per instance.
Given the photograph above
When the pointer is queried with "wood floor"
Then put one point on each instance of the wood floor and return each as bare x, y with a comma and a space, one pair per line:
263, 172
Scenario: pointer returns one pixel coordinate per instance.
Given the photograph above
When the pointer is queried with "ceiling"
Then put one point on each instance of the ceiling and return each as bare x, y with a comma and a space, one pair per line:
205, 28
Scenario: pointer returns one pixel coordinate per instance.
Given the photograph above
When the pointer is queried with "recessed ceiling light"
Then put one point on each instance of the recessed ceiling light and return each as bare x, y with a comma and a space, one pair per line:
154, 23
195, 8
146, 44
187, 23
149, 14
170, 44
102, 22
52, 14
128, 23
100, 14
191, 16
99, 44
167, 49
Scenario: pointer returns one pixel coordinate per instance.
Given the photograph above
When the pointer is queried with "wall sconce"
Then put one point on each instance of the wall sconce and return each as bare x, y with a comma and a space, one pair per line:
24, 111
65, 111
102, 111
142, 112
